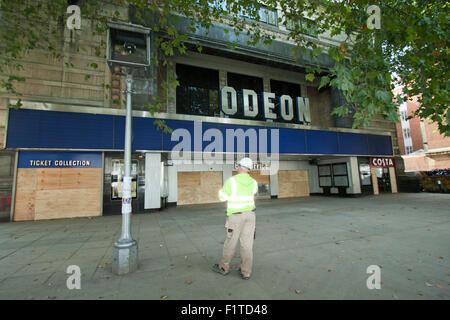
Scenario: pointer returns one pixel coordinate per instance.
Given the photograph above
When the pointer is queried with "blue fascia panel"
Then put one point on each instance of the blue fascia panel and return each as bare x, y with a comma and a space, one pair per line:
61, 130
322, 142
68, 130
379, 145
353, 143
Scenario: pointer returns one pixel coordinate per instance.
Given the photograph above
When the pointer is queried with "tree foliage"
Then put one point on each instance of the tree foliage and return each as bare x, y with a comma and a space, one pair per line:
410, 49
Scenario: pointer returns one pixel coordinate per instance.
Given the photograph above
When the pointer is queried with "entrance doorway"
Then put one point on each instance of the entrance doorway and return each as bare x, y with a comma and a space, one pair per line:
112, 183
6, 181
384, 181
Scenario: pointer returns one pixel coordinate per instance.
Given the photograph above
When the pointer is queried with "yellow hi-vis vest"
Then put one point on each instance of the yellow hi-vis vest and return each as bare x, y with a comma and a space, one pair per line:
239, 191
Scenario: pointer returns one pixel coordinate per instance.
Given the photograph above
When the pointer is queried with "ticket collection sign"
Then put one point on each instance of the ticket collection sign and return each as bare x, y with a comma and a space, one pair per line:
59, 159
378, 162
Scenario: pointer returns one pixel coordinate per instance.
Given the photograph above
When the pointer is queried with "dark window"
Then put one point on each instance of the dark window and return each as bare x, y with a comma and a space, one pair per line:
285, 88
325, 176
265, 15
239, 82
334, 175
306, 26
198, 92
340, 175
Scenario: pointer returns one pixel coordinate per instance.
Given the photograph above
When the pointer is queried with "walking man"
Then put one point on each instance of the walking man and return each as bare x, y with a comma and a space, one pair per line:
239, 192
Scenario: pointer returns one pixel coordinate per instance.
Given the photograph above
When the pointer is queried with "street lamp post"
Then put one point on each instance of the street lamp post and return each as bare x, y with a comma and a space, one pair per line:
125, 252
128, 51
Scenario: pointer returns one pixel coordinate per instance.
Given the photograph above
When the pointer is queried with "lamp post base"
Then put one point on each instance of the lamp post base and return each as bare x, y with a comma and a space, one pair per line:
125, 257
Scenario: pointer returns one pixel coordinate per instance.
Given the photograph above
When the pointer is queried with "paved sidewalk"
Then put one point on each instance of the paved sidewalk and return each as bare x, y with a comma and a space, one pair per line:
306, 248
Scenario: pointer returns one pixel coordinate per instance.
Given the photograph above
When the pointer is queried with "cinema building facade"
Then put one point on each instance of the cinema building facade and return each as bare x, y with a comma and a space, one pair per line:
64, 146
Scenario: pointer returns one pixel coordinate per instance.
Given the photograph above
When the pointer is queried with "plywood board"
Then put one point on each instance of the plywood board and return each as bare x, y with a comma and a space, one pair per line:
260, 178
199, 187
211, 183
25, 194
68, 203
293, 183
26, 179
85, 178
24, 205
48, 179
51, 193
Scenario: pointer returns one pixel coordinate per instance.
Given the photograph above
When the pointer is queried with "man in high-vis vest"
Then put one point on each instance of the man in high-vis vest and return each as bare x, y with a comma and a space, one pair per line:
239, 192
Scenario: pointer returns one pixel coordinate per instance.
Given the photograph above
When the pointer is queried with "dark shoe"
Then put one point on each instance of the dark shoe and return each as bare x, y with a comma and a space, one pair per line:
242, 276
217, 269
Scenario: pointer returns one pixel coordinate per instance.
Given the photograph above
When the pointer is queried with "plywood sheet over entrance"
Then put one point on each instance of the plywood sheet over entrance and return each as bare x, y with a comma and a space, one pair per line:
199, 187
293, 183
260, 178
53, 193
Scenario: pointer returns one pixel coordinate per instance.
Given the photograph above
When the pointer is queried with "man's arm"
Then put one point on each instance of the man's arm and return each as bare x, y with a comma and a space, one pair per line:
225, 192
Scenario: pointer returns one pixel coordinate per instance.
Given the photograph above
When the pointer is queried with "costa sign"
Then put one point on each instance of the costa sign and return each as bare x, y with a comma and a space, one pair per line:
228, 105
382, 162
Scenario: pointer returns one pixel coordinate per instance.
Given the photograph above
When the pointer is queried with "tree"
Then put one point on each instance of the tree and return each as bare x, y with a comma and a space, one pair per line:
409, 49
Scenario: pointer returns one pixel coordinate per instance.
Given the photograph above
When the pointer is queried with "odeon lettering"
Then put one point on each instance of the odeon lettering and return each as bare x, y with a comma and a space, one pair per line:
228, 105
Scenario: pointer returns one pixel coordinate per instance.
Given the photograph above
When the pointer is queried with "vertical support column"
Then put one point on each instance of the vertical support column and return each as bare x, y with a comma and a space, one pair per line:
273, 185
152, 181
354, 176
266, 88
226, 173
373, 172
173, 184
304, 90
393, 179
172, 92
222, 83
266, 84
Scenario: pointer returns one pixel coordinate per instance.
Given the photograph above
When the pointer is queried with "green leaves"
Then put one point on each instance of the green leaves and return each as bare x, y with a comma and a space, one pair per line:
310, 77
325, 80
384, 96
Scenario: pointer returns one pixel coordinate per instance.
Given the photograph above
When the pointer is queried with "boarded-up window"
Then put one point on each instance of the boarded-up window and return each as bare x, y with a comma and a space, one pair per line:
293, 183
199, 187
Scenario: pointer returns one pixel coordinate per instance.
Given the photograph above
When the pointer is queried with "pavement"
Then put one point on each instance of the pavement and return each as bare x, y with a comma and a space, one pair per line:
305, 248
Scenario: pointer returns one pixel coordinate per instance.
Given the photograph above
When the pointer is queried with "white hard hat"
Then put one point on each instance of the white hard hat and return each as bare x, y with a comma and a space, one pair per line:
247, 163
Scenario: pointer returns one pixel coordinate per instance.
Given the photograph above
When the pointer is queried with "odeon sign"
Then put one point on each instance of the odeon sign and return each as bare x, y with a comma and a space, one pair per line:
228, 105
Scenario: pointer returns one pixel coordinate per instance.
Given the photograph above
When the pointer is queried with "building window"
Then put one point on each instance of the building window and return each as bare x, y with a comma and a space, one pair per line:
334, 175
266, 15
340, 175
198, 92
218, 4
239, 82
285, 88
405, 115
325, 178
305, 25
407, 132
365, 174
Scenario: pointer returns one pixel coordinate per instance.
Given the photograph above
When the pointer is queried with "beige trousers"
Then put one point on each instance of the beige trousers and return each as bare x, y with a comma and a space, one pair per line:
239, 227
